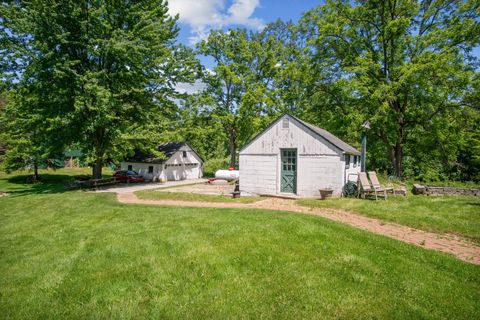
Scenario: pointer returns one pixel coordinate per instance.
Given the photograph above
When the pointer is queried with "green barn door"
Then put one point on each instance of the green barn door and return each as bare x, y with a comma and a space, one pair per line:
289, 171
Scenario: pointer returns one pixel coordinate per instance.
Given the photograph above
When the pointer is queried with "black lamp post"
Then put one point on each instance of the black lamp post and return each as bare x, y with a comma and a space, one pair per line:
365, 127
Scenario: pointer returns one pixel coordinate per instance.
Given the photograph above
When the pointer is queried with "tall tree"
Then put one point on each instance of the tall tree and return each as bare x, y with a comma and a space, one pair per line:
403, 62
29, 141
108, 65
237, 88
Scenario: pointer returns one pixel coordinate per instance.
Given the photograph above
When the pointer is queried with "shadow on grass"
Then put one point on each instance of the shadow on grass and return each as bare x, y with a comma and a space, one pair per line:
49, 183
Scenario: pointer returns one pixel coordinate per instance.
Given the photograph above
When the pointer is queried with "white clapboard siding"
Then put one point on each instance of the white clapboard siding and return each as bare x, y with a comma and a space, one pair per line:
176, 167
315, 172
142, 169
183, 171
296, 136
258, 174
320, 164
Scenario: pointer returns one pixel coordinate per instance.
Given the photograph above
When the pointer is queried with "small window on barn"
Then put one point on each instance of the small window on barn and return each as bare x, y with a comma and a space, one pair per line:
129, 168
150, 169
347, 161
184, 154
285, 123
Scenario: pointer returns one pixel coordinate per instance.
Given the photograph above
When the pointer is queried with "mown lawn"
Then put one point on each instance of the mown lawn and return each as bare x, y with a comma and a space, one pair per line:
184, 196
83, 255
447, 214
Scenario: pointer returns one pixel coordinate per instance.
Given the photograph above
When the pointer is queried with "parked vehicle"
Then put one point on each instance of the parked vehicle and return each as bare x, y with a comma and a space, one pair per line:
128, 176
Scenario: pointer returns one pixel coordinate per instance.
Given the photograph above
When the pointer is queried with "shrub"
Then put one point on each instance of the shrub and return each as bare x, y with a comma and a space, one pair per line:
212, 165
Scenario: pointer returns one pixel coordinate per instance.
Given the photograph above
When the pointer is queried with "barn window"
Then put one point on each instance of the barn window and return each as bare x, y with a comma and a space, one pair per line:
285, 123
184, 154
129, 168
150, 169
347, 161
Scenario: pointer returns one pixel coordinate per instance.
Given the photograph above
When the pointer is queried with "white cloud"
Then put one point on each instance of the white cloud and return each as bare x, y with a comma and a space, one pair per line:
190, 88
203, 15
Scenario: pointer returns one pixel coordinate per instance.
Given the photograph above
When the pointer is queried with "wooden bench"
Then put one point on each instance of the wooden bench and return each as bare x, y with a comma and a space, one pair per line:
95, 183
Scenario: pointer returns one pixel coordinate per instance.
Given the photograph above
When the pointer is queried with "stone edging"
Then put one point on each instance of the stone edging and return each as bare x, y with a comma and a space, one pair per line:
438, 191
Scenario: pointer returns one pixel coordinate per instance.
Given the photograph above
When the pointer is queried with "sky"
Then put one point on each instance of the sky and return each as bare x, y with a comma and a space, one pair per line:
198, 17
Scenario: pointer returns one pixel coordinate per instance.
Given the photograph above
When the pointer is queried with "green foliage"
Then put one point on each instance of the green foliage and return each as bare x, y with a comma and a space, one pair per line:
28, 142
237, 88
212, 165
109, 67
405, 66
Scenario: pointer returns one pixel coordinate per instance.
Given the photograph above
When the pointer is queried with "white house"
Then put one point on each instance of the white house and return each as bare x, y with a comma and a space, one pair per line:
292, 156
182, 162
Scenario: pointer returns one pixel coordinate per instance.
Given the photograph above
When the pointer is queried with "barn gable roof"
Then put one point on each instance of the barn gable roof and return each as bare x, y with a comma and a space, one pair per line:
334, 140
169, 149
339, 143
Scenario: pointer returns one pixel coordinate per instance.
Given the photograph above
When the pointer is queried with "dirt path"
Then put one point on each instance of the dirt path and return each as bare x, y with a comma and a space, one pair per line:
461, 248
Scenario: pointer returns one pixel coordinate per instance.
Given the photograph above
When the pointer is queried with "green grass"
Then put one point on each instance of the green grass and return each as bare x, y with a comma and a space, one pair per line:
184, 196
446, 214
83, 255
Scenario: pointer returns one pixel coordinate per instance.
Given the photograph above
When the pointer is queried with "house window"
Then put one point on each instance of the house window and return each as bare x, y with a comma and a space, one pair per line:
184, 154
347, 161
285, 123
129, 168
150, 169
354, 161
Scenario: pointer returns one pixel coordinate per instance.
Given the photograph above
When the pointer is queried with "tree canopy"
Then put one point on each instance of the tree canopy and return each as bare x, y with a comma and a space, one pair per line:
102, 75
108, 67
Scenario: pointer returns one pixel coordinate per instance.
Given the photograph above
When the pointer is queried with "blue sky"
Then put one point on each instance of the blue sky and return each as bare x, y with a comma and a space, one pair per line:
198, 17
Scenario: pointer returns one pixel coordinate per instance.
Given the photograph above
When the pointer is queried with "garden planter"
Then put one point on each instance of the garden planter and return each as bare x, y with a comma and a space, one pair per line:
325, 193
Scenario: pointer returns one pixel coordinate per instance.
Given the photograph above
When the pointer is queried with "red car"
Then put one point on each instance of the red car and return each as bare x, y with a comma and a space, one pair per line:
128, 176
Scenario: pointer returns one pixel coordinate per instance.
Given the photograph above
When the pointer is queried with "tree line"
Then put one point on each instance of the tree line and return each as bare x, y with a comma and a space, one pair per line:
102, 76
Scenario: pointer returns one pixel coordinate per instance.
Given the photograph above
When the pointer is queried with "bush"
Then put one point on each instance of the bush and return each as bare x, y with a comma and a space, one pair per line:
212, 165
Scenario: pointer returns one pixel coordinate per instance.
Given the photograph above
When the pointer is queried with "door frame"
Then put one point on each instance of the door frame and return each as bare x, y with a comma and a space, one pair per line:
281, 170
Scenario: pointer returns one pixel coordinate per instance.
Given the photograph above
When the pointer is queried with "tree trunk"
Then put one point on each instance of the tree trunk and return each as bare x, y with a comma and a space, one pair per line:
99, 153
97, 168
36, 176
398, 160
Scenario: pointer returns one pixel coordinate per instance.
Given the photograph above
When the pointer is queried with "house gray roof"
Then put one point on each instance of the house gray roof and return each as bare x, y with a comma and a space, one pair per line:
339, 143
168, 149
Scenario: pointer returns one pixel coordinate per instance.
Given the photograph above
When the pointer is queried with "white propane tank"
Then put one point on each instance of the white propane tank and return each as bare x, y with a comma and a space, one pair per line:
228, 175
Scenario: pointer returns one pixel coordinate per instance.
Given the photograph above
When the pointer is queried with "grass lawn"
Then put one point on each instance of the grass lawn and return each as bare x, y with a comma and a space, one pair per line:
165, 195
446, 214
73, 254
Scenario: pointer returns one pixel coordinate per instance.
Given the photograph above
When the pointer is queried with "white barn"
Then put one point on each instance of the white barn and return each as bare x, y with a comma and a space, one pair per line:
182, 163
293, 157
